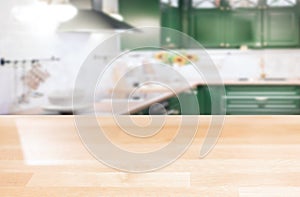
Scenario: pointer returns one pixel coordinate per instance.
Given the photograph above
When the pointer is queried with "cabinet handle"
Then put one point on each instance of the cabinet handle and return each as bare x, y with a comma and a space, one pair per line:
222, 8
228, 8
263, 7
227, 45
222, 44
261, 98
265, 44
173, 112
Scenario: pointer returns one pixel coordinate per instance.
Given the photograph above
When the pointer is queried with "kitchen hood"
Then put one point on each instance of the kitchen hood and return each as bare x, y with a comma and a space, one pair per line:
91, 18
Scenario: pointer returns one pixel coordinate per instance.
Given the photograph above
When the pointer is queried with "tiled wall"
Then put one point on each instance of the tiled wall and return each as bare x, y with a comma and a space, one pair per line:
277, 63
235, 64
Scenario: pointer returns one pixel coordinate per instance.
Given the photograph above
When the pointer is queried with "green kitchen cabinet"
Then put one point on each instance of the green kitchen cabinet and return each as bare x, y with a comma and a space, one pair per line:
252, 100
235, 100
224, 27
171, 18
189, 103
207, 26
140, 14
210, 99
207, 23
186, 103
244, 27
281, 27
254, 23
264, 100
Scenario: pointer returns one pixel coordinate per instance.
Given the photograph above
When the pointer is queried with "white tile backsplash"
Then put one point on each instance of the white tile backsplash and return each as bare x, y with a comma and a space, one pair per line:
277, 62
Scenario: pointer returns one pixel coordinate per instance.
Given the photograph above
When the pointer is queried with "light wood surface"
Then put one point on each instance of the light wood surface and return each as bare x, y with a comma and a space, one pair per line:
255, 156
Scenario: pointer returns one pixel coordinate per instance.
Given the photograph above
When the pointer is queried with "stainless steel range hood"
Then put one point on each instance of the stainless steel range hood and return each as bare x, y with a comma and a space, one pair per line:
91, 18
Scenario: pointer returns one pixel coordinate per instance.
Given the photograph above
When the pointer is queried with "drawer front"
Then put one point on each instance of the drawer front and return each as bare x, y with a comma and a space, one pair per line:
263, 90
262, 100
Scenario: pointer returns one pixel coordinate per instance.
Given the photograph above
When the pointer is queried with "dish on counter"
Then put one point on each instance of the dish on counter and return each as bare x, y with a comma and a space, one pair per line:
65, 109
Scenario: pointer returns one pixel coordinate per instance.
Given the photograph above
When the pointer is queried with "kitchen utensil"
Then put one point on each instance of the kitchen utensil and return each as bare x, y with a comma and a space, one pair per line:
35, 76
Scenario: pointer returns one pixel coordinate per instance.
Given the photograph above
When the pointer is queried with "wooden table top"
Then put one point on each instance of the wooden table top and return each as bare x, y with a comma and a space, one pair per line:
255, 156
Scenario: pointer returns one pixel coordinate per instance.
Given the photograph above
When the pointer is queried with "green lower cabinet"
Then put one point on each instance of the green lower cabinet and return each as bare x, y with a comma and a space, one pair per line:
189, 103
185, 104
253, 100
173, 106
211, 100
262, 100
236, 100
281, 27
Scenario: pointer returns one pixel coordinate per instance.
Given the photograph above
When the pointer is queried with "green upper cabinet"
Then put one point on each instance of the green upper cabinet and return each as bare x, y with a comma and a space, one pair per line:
215, 23
171, 17
139, 14
206, 23
281, 24
255, 23
228, 24
243, 27
207, 27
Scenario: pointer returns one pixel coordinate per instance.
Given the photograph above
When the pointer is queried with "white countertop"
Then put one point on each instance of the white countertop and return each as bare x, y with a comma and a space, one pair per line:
155, 94
108, 106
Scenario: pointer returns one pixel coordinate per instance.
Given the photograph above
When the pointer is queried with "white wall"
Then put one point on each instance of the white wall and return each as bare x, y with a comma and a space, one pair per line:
25, 41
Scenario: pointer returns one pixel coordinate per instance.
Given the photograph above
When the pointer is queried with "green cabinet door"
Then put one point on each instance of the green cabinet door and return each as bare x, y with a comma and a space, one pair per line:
250, 100
211, 100
185, 104
227, 29
262, 100
243, 27
140, 14
228, 25
281, 27
171, 18
189, 104
207, 27
253, 23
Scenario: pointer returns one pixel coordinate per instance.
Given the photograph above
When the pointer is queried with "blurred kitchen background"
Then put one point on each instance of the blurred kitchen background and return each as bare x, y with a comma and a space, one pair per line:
253, 43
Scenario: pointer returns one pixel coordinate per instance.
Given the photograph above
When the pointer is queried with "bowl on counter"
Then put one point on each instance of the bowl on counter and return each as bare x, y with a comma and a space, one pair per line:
65, 97
61, 101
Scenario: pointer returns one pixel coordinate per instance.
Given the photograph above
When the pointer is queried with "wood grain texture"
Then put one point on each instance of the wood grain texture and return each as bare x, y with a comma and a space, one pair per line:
255, 156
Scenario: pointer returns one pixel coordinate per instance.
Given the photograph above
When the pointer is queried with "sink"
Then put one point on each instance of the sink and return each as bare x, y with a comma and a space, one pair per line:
265, 79
244, 79
275, 79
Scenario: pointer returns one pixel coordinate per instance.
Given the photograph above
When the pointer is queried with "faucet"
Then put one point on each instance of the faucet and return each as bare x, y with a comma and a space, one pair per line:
263, 74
